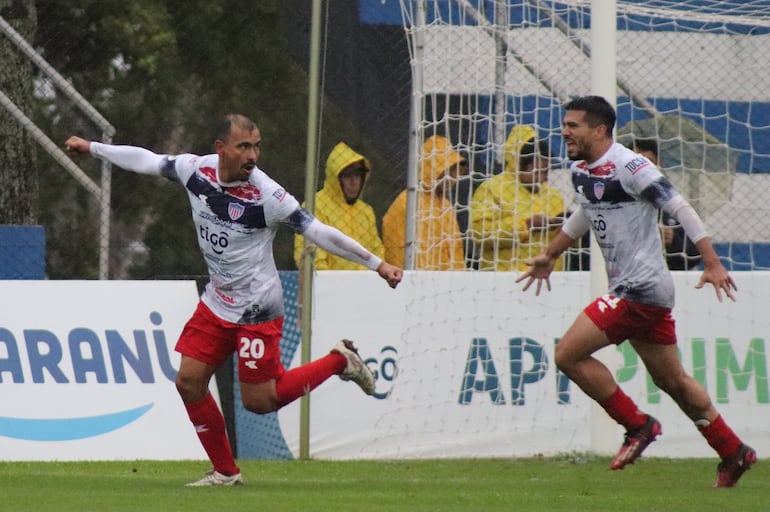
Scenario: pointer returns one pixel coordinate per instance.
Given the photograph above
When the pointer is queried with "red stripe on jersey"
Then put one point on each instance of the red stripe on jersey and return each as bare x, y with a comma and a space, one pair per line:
210, 173
248, 192
606, 169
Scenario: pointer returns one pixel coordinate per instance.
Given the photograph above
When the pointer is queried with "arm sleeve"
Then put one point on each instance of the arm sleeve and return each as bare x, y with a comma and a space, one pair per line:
576, 224
131, 158
680, 209
336, 242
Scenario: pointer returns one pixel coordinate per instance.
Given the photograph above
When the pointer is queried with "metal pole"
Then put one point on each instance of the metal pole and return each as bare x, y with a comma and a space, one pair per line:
59, 81
501, 65
306, 277
51, 147
103, 193
105, 202
415, 137
603, 83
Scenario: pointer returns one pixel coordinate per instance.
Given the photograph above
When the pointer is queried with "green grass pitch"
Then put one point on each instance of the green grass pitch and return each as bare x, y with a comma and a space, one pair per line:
574, 482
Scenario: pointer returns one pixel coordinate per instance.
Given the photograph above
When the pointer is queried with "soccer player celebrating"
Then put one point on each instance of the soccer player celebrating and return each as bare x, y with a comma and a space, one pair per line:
237, 209
619, 194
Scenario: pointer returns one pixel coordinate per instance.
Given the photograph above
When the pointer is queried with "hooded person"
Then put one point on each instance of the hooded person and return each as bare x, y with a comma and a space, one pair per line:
438, 236
514, 214
339, 204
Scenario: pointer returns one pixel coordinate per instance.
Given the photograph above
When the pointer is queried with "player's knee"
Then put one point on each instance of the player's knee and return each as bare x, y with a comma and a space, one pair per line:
191, 390
562, 359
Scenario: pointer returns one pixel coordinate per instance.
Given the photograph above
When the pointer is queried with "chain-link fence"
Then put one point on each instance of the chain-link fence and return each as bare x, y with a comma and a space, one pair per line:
690, 76
689, 79
162, 74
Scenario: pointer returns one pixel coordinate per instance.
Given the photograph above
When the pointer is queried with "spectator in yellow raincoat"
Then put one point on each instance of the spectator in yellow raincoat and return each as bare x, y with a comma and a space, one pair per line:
515, 214
339, 204
438, 237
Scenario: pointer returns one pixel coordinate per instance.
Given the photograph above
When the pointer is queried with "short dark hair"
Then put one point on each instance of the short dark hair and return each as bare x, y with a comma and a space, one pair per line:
527, 153
225, 126
598, 111
646, 144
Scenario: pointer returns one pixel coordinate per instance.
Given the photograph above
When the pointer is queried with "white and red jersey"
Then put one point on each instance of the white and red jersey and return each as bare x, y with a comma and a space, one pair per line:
621, 194
235, 226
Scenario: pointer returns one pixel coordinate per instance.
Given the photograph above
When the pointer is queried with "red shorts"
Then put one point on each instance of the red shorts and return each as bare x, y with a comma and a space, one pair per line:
622, 319
211, 340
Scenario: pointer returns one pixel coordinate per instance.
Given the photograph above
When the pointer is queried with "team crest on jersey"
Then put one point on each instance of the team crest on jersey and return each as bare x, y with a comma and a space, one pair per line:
235, 210
599, 189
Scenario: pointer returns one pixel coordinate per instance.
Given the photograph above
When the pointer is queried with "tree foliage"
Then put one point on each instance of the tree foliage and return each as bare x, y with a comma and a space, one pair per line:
163, 72
18, 195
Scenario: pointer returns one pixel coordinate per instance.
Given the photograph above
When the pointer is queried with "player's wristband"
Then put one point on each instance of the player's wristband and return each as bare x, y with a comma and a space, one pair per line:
373, 263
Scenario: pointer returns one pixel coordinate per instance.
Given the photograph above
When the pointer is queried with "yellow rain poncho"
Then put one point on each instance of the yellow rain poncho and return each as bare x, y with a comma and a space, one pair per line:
439, 240
500, 208
356, 220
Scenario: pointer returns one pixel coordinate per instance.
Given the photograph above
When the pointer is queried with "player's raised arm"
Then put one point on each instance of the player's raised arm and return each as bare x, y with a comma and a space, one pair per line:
131, 158
333, 240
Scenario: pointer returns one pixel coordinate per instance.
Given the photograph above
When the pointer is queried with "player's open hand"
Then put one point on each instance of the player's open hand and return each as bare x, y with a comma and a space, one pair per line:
722, 281
391, 273
540, 269
76, 146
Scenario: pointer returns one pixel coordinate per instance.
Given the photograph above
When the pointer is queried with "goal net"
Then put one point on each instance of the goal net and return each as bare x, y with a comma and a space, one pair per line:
476, 373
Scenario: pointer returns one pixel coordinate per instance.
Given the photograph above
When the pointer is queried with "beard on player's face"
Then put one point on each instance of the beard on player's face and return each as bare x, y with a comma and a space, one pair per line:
577, 150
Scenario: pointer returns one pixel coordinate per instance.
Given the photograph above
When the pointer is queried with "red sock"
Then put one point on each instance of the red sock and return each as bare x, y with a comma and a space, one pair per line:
298, 381
210, 426
623, 410
721, 437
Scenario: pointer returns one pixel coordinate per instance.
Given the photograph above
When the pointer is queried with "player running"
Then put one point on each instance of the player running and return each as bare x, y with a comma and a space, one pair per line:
619, 194
237, 209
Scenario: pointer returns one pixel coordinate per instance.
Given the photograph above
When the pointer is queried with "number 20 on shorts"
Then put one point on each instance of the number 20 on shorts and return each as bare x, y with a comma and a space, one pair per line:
251, 349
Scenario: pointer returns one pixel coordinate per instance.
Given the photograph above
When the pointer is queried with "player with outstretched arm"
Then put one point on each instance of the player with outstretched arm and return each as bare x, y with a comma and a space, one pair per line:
242, 308
619, 194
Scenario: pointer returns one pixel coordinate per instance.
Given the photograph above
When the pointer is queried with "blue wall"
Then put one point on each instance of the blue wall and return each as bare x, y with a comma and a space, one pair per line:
22, 252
